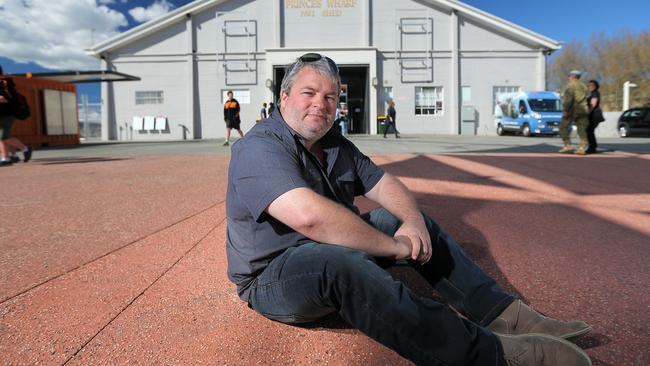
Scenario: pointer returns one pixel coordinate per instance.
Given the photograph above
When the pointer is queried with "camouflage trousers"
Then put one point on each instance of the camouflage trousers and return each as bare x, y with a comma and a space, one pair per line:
581, 122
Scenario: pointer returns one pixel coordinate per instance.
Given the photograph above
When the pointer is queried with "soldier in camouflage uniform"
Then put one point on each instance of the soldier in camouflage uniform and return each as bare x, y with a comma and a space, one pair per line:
574, 109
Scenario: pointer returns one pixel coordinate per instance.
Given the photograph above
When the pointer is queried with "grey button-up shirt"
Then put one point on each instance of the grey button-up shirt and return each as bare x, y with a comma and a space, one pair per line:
268, 162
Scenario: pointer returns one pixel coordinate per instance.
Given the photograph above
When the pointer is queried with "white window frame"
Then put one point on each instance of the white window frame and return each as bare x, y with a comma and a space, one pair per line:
499, 89
149, 97
431, 103
243, 96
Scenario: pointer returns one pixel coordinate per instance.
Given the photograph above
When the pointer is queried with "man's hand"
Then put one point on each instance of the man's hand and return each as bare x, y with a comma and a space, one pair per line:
3, 99
403, 247
416, 231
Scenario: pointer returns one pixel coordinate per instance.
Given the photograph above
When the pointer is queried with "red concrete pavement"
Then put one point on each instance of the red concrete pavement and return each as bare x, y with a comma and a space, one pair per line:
121, 260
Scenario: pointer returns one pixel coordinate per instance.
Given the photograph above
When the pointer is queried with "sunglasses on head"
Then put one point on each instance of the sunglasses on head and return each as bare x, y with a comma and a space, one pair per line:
313, 57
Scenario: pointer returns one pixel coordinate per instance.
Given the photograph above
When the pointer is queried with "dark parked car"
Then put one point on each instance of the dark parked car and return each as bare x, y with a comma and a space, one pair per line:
634, 121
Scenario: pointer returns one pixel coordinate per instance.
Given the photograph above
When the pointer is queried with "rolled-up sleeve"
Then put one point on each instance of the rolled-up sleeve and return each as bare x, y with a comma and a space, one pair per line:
263, 168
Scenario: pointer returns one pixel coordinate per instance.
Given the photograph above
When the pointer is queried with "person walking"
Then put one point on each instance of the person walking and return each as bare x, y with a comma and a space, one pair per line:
9, 98
293, 179
271, 108
574, 109
595, 115
390, 119
231, 116
263, 114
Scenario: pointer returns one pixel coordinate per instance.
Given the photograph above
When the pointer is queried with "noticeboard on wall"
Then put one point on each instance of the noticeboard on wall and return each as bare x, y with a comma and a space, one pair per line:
243, 96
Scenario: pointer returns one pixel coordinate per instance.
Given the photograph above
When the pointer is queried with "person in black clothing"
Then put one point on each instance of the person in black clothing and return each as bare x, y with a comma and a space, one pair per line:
271, 108
9, 144
263, 114
390, 119
593, 101
231, 117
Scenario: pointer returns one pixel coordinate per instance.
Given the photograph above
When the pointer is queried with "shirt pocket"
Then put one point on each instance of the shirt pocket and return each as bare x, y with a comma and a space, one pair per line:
346, 182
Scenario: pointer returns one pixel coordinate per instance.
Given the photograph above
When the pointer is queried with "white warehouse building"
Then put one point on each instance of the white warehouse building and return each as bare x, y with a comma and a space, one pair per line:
441, 61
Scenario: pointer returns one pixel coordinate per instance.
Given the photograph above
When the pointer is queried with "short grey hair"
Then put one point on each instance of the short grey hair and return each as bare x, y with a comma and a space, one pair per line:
321, 66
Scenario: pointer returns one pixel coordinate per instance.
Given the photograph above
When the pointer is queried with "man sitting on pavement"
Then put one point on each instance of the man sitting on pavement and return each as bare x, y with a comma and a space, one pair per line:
298, 249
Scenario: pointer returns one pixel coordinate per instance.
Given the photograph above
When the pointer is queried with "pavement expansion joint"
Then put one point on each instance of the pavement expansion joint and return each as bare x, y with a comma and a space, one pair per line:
152, 283
113, 251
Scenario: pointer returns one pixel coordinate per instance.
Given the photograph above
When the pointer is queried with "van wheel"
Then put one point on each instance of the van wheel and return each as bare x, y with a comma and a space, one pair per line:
526, 130
500, 130
624, 130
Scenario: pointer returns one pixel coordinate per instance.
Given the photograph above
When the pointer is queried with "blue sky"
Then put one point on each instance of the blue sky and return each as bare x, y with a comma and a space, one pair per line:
86, 21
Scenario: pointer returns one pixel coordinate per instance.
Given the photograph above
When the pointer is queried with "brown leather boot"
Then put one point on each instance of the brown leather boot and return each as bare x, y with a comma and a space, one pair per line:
519, 318
566, 148
541, 350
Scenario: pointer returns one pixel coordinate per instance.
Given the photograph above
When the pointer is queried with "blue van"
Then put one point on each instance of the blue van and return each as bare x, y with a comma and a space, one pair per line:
528, 113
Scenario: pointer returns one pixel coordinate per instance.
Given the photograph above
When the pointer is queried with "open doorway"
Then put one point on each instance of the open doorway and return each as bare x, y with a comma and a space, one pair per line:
356, 80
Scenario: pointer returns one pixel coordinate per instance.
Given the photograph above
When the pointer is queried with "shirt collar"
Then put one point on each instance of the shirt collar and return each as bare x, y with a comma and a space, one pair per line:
330, 143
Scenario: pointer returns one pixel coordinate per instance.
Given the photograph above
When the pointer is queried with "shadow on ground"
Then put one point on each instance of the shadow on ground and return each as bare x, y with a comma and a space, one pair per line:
75, 160
604, 148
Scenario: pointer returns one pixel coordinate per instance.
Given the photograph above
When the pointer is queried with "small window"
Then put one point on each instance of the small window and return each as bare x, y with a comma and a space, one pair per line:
522, 108
149, 97
496, 90
429, 100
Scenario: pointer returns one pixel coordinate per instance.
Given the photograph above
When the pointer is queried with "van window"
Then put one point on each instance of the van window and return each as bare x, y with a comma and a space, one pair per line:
522, 107
545, 105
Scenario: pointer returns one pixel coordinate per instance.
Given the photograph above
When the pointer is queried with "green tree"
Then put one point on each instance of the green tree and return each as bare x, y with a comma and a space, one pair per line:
612, 61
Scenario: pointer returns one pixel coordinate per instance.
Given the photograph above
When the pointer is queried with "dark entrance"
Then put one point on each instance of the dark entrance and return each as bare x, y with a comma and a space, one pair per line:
356, 79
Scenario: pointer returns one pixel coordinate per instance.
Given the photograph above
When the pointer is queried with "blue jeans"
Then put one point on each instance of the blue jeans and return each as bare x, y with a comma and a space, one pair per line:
309, 281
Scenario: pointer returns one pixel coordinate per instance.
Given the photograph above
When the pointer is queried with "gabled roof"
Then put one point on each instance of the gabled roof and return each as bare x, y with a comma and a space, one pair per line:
81, 76
499, 23
196, 6
151, 26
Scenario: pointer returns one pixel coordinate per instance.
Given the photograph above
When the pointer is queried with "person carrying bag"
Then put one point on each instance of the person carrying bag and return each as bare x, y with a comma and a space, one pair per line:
16, 103
595, 115
13, 105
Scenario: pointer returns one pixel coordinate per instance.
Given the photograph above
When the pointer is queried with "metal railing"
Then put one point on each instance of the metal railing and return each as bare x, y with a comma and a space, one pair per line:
90, 119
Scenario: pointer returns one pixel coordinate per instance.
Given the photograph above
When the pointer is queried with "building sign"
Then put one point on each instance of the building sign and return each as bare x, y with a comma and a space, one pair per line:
325, 8
331, 22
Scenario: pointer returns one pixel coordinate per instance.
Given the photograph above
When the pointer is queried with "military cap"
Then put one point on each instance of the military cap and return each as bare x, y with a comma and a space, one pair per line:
575, 73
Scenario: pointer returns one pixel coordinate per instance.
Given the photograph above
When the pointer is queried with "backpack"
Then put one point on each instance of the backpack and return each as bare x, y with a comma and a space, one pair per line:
17, 103
21, 108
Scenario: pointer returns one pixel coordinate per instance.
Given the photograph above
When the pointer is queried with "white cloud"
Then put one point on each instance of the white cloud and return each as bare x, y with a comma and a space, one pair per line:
54, 34
106, 2
158, 8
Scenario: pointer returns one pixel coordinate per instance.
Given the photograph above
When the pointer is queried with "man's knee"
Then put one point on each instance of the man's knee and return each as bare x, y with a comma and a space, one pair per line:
339, 256
383, 220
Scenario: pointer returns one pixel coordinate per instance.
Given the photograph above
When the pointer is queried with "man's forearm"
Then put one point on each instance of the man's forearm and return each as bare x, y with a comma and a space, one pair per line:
326, 221
338, 225
393, 195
